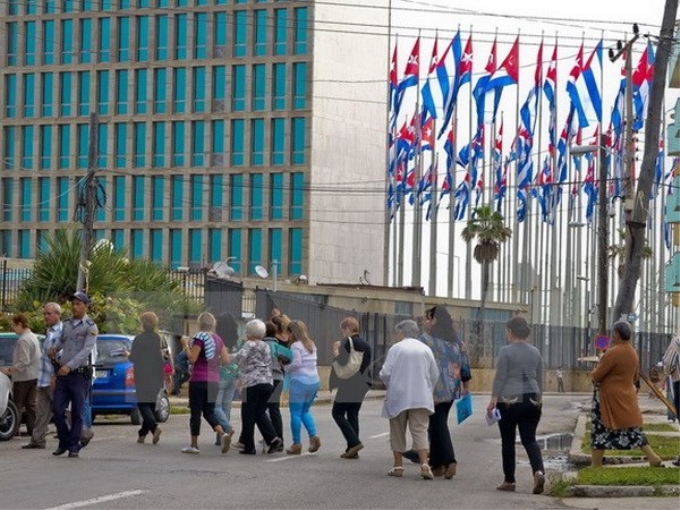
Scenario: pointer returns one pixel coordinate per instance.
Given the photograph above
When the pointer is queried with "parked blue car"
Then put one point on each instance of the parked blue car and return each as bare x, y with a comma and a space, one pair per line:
113, 390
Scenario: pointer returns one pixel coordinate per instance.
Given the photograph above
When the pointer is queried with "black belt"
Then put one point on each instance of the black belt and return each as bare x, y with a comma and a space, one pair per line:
82, 370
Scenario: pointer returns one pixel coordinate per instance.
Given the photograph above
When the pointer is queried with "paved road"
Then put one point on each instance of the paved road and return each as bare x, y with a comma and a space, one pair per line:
116, 472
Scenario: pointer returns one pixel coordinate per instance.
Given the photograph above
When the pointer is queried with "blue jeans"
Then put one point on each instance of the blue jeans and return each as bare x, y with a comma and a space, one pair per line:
225, 395
300, 399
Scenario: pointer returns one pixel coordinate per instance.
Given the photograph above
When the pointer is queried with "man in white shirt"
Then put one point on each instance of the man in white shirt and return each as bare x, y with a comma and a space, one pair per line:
409, 373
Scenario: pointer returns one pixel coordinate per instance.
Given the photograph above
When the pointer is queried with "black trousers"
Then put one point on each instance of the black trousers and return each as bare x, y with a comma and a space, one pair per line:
202, 396
346, 415
148, 412
71, 388
254, 412
523, 415
274, 408
441, 445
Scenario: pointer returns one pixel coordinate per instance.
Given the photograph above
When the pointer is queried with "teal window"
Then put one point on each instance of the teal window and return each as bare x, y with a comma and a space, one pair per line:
65, 94
279, 87
182, 3
41, 242
196, 212
240, 33
275, 243
119, 198
25, 200
140, 144
295, 251
123, 39
138, 198
136, 243
46, 92
157, 197
30, 38
178, 143
69, 5
84, 93
238, 93
24, 243
156, 245
256, 196
67, 41
83, 140
142, 38
219, 34
216, 191
181, 36
103, 92
179, 96
140, 90
235, 247
122, 91
278, 141
120, 130
160, 89
201, 3
29, 95
85, 40
45, 147
162, 32
63, 190
201, 35
104, 43
177, 197
219, 82
117, 238
12, 43
297, 195
280, 31
300, 31
175, 248
261, 28
217, 143
199, 89
8, 147
236, 198
214, 244
11, 95
197, 143
64, 145
254, 248
195, 246
7, 198
48, 41
300, 85
257, 142
26, 147
259, 87
276, 186
298, 140
106, 5
158, 144
100, 213
237, 142
44, 198
144, 4
102, 145
6, 244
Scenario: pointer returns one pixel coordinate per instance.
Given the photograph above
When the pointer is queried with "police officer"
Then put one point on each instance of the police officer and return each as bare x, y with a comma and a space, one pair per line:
74, 373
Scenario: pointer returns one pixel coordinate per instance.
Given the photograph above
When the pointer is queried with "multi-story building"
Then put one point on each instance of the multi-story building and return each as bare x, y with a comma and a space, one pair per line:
251, 129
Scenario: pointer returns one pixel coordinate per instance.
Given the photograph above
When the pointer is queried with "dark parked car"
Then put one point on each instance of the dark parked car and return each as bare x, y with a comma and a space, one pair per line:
113, 391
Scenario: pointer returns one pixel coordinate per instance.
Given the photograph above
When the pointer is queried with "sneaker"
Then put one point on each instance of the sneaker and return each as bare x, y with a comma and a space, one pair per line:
506, 486
157, 435
141, 438
225, 441
238, 445
426, 472
539, 482
275, 445
190, 449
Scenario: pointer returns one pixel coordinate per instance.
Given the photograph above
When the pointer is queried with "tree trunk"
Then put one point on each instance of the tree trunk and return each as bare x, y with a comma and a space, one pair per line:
636, 222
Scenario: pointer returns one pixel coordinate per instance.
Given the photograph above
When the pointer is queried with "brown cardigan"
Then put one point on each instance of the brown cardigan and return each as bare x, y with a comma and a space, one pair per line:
617, 373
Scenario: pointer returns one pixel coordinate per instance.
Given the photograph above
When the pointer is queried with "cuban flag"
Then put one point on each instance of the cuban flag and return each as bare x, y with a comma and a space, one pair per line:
394, 85
411, 73
583, 86
642, 79
590, 186
549, 87
500, 170
441, 69
506, 74
479, 91
429, 108
658, 170
427, 135
462, 198
463, 66
619, 104
543, 189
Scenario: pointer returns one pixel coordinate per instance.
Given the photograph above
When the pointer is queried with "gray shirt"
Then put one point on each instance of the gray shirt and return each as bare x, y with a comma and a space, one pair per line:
255, 361
26, 359
519, 370
77, 342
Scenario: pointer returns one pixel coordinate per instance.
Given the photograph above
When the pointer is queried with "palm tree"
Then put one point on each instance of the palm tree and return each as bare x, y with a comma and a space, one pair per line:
487, 226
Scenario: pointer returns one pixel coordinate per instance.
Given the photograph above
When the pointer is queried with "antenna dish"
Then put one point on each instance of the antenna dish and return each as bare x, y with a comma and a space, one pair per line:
223, 269
261, 271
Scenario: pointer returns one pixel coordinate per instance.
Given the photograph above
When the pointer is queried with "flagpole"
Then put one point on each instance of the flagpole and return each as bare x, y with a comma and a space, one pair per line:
452, 222
388, 177
416, 264
433, 219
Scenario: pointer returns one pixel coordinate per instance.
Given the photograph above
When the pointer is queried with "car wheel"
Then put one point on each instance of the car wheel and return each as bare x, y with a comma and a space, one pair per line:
162, 408
9, 422
136, 417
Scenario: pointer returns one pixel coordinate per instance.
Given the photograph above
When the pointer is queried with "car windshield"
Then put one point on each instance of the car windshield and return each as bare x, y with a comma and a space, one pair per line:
111, 350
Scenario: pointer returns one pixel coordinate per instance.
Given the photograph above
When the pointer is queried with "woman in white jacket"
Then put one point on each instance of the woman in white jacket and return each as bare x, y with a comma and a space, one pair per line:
671, 366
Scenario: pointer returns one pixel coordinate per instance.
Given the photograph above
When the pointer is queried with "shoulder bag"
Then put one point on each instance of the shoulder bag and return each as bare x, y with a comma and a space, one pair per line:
353, 364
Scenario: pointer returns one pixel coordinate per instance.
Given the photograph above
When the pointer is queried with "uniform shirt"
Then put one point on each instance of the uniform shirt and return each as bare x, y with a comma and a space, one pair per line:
77, 342
46, 367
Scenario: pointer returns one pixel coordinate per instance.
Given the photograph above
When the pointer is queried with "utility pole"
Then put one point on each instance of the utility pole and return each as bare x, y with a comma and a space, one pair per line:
602, 238
88, 203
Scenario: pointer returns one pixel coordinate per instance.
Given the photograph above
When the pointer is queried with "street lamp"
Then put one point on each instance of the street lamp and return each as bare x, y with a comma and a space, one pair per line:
602, 229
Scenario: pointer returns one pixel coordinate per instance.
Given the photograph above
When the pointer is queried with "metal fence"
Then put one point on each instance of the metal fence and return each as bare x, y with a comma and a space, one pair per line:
10, 284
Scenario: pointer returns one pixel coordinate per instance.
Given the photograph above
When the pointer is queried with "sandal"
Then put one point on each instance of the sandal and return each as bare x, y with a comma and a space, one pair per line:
397, 471
426, 472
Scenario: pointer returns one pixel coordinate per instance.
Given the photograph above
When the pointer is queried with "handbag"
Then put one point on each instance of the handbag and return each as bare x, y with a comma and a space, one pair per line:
353, 363
464, 408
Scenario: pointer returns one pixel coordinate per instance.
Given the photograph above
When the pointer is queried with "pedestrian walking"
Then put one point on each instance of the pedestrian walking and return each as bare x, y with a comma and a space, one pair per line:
671, 365
560, 380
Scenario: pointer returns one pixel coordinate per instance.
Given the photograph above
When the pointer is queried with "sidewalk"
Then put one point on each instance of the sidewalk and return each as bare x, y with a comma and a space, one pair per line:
322, 398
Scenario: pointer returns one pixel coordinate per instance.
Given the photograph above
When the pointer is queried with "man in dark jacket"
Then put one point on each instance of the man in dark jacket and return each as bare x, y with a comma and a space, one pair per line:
352, 390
